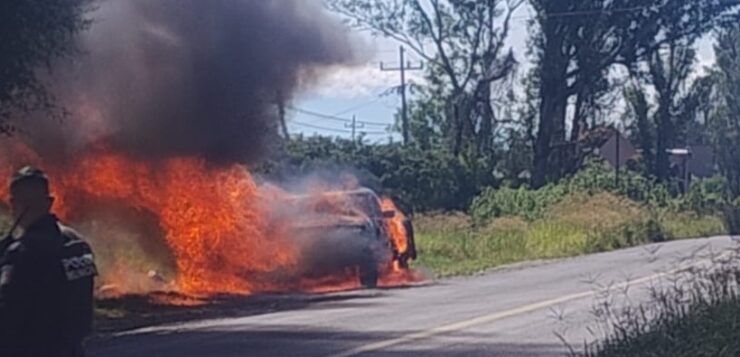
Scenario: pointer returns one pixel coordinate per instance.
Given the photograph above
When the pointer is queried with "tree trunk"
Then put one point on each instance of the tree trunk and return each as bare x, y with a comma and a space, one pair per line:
459, 126
546, 160
664, 133
485, 133
553, 73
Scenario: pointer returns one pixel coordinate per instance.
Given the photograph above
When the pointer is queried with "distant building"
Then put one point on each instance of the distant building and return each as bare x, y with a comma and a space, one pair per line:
615, 148
699, 160
611, 145
617, 141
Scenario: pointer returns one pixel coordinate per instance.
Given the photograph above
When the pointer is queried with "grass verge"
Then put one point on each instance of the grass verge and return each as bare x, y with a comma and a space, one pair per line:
579, 224
698, 315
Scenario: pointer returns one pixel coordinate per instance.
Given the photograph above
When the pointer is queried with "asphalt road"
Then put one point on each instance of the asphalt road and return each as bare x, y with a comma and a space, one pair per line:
523, 310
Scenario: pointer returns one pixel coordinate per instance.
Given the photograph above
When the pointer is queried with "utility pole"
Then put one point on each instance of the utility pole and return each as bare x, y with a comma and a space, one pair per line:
354, 125
281, 114
403, 67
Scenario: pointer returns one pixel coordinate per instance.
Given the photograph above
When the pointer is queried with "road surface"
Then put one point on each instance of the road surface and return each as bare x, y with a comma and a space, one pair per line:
515, 311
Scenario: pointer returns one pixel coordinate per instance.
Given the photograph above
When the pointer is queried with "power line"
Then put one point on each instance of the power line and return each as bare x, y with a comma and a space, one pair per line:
359, 106
374, 133
603, 12
335, 130
331, 117
608, 11
319, 115
318, 127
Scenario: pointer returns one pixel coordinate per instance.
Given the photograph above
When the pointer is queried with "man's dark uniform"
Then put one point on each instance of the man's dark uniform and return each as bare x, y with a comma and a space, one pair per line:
46, 292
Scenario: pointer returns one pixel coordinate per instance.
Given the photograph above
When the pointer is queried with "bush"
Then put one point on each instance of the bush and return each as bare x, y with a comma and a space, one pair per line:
422, 180
521, 202
705, 197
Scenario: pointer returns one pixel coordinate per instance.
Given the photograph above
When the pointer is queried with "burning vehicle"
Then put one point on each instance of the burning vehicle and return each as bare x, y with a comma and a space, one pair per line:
207, 230
355, 225
167, 113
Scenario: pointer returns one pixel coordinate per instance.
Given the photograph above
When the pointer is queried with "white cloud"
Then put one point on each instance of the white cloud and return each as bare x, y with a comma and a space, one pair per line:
356, 82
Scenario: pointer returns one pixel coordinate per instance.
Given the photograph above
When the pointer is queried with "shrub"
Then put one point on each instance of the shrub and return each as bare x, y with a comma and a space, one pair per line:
705, 196
422, 180
521, 202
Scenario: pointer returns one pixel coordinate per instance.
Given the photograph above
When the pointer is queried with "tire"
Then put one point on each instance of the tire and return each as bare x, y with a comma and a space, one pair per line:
369, 276
403, 262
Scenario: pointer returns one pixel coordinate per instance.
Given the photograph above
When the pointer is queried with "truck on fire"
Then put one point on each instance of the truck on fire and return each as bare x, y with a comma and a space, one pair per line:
352, 229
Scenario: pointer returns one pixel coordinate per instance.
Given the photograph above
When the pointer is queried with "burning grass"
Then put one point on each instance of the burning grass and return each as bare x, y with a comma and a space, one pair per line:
579, 224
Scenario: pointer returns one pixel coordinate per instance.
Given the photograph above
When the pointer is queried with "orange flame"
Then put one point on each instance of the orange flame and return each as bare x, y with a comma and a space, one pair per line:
214, 220
396, 226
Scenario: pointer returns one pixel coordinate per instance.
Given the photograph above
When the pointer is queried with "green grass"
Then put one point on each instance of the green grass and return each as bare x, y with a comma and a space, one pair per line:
580, 224
690, 225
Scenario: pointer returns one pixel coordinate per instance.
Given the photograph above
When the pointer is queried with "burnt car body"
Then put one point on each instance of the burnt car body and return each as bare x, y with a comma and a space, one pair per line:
349, 229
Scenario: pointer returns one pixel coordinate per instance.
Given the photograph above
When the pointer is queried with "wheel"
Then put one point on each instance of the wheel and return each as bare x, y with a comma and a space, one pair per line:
403, 262
369, 276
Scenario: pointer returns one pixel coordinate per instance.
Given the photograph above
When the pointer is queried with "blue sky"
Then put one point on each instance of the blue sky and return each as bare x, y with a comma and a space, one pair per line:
363, 90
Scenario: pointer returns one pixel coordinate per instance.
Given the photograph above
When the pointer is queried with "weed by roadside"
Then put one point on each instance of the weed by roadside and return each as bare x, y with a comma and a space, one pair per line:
577, 224
696, 314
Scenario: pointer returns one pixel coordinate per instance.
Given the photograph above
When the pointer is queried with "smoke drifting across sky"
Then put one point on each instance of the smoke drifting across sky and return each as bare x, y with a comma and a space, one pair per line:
163, 78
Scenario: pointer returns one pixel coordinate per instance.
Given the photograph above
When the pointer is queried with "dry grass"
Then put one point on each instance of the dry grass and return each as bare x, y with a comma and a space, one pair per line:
603, 211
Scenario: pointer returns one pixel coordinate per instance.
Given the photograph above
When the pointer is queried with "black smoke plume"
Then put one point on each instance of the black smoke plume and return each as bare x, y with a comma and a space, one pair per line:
163, 78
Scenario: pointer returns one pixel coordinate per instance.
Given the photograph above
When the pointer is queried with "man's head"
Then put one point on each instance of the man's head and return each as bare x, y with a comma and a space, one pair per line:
29, 195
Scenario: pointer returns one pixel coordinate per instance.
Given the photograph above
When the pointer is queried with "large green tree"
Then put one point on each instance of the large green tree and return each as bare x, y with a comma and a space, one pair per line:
663, 125
33, 33
578, 43
724, 119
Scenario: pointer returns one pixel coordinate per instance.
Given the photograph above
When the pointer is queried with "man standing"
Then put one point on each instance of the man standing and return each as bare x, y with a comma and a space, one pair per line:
46, 278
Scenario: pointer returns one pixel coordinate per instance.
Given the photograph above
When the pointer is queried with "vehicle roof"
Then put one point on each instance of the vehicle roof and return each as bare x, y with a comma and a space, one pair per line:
327, 220
359, 191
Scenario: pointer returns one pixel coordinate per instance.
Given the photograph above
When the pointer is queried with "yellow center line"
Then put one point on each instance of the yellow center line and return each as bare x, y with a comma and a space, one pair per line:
481, 320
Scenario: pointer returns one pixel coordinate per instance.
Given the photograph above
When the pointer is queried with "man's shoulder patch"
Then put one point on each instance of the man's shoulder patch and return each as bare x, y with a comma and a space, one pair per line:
78, 267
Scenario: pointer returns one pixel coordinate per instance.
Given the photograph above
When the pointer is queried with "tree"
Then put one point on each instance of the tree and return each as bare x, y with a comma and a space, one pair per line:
464, 44
33, 33
577, 45
667, 72
724, 120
